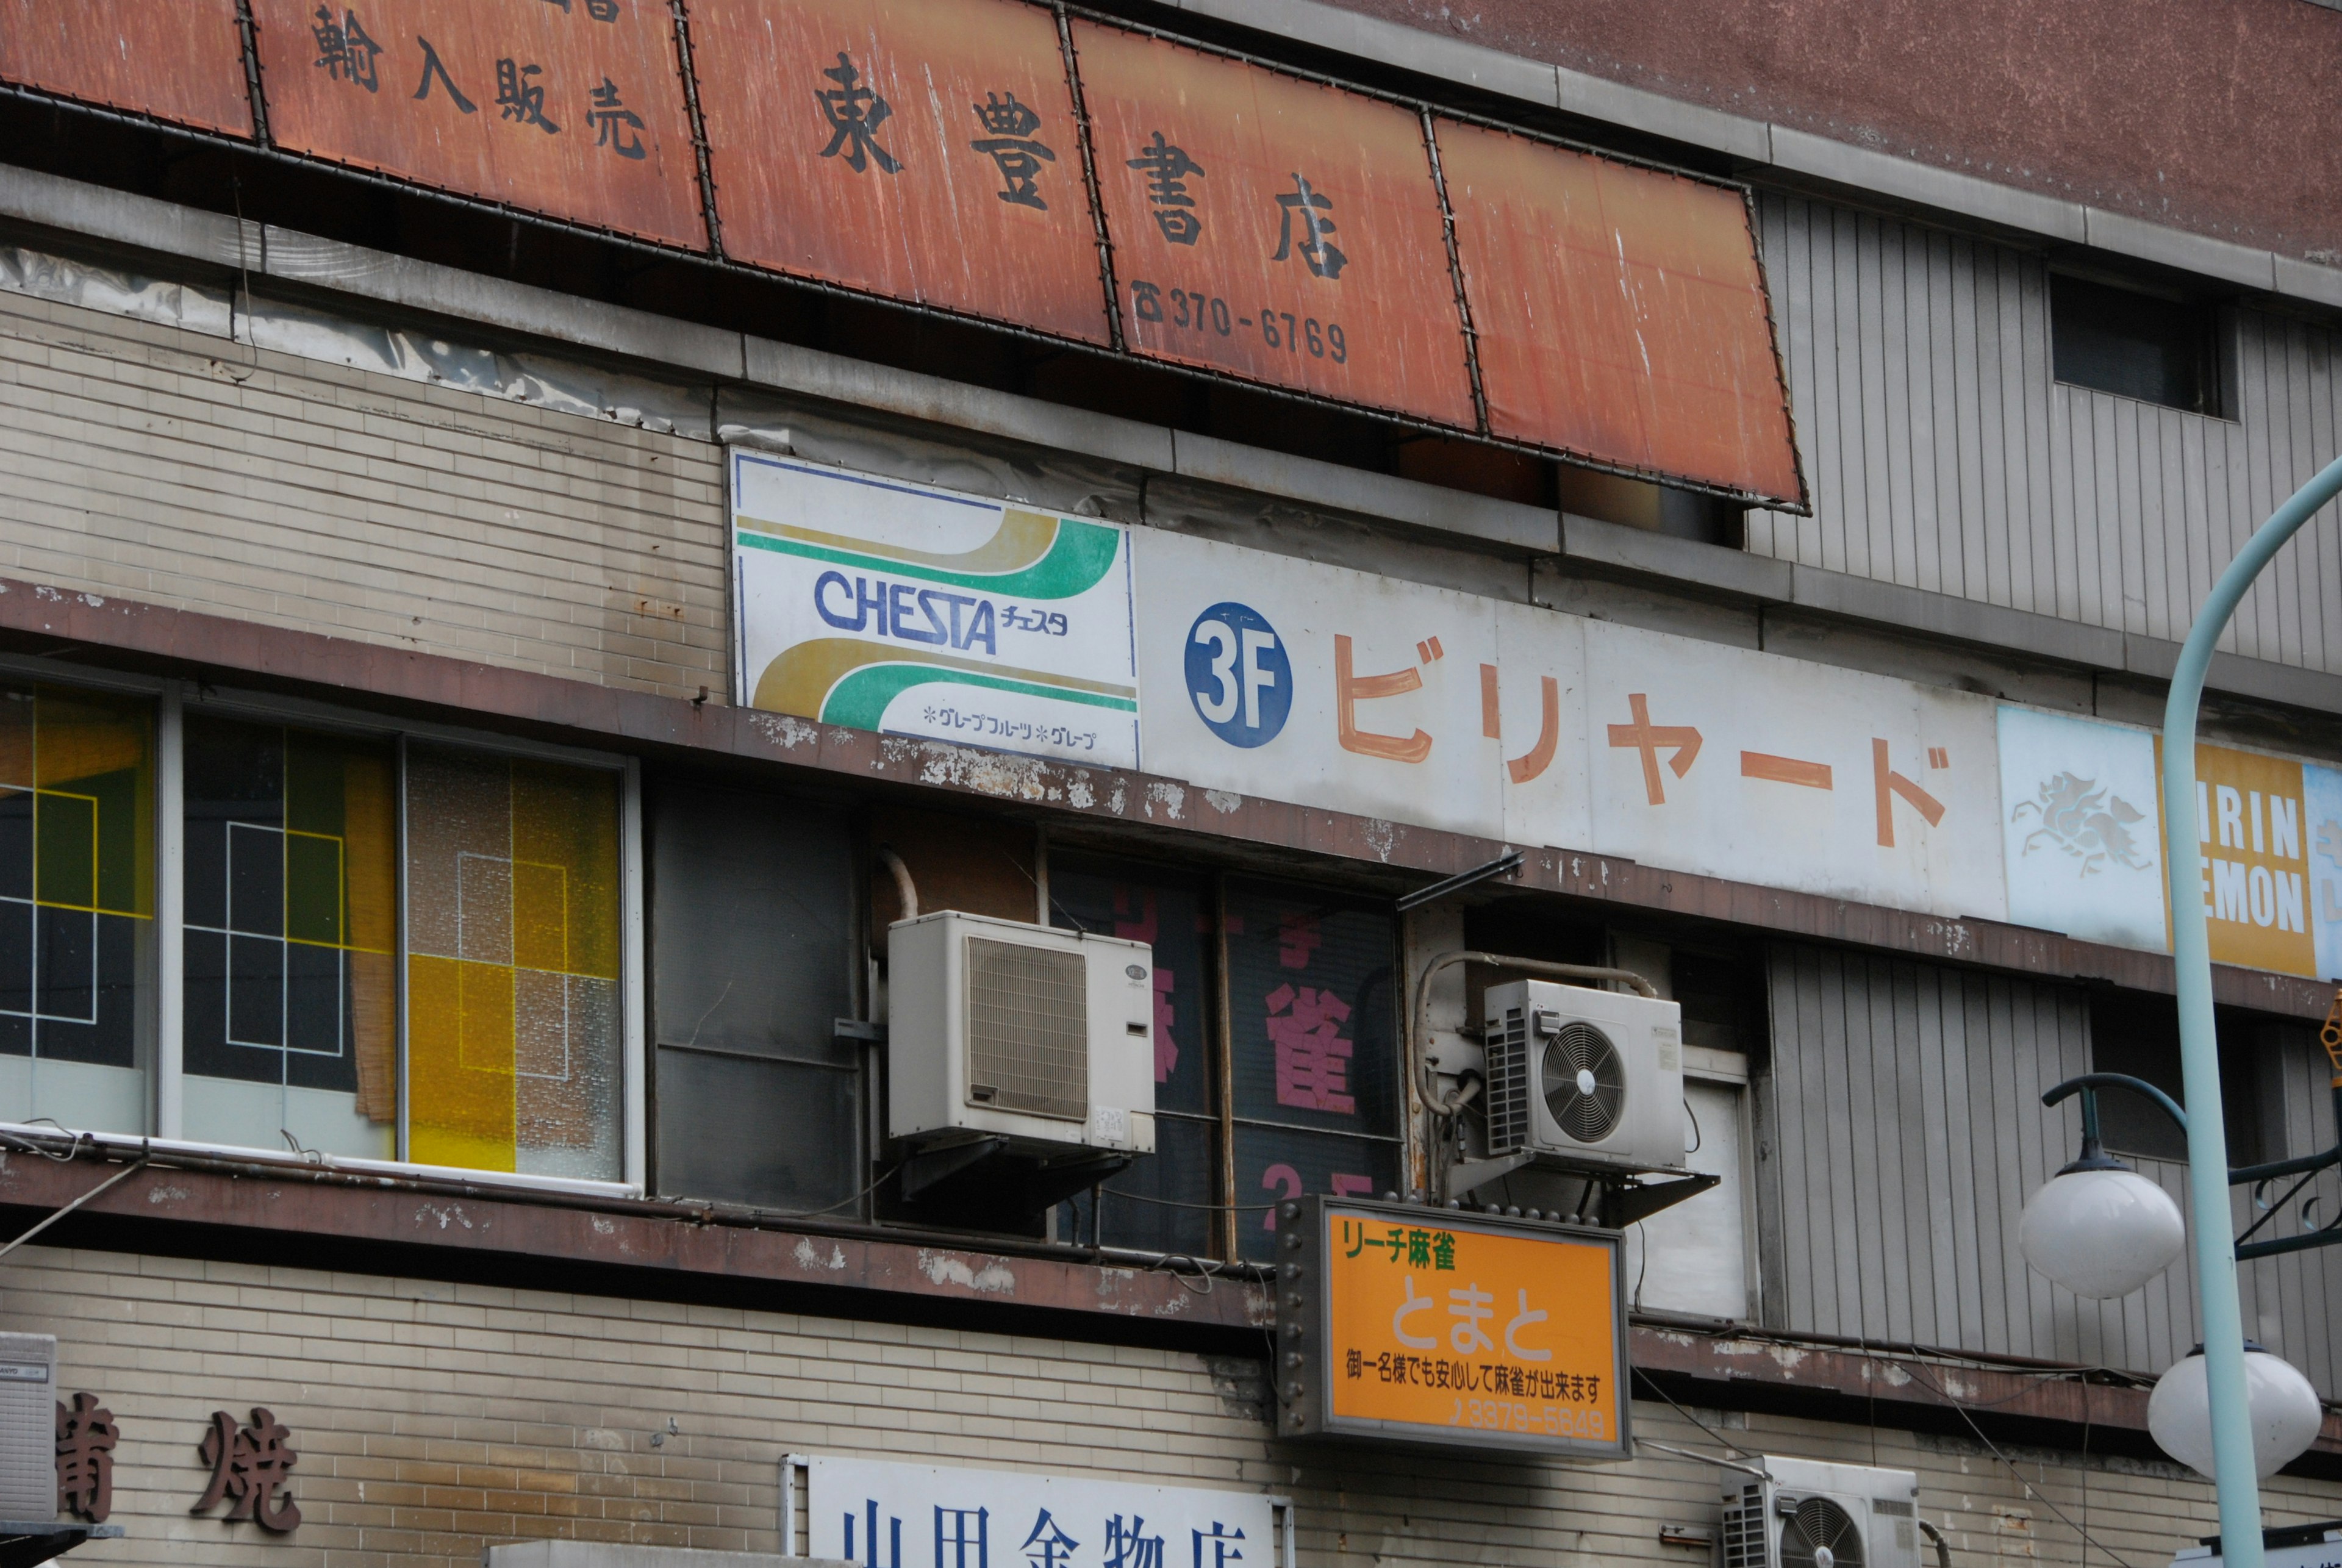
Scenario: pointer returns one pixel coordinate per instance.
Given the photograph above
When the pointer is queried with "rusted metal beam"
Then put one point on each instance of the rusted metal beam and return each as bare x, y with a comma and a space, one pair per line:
284, 1215
436, 1229
162, 640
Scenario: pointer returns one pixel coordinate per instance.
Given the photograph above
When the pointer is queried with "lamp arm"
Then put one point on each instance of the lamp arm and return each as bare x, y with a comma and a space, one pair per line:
2073, 1087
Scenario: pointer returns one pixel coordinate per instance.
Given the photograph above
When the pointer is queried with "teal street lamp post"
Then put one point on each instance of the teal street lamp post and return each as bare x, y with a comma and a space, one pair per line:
2208, 1143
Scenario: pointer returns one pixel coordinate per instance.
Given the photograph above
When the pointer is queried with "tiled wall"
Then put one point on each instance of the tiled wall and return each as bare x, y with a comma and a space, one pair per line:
180, 468
432, 1419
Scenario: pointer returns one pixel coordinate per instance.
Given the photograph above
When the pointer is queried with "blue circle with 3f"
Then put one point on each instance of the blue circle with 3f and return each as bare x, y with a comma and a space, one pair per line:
1238, 676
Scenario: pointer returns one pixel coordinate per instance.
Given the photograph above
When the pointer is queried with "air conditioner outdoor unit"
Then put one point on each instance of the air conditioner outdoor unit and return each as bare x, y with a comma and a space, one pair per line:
1583, 1077
1041, 1036
1808, 1514
28, 1426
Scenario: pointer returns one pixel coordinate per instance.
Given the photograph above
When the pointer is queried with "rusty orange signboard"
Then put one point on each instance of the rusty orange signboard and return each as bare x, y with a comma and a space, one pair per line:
573, 108
1429, 1325
1221, 214
1620, 312
178, 60
920, 150
1273, 228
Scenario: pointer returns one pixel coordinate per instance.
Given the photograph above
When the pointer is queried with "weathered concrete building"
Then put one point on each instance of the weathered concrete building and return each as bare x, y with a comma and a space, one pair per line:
529, 530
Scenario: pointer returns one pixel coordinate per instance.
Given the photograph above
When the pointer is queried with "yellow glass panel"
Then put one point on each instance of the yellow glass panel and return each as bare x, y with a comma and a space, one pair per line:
16, 708
513, 936
459, 1064
94, 758
568, 817
540, 921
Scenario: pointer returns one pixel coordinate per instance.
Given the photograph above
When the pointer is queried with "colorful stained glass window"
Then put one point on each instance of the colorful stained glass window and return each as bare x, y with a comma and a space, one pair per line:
291, 914
514, 1057
76, 906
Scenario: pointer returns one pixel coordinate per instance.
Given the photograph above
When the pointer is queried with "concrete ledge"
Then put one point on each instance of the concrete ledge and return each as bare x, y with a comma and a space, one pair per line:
1389, 44
1961, 620
1655, 115
816, 373
1801, 152
2177, 249
1528, 530
410, 284
1733, 573
2306, 280
119, 217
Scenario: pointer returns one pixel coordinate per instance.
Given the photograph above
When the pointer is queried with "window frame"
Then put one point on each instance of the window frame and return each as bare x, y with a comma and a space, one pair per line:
174, 700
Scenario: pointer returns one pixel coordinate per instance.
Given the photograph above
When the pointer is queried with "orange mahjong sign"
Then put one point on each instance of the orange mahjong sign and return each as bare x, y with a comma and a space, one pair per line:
1433, 1326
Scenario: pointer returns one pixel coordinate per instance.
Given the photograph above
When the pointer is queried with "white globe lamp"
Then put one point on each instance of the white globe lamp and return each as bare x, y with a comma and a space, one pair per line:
2285, 1411
2100, 1229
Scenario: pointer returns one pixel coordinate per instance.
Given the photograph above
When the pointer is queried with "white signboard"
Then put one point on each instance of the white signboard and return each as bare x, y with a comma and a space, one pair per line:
911, 611
1296, 681
900, 608
883, 1515
2079, 830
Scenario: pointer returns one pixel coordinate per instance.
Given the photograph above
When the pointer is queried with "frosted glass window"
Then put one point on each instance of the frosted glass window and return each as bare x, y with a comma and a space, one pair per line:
76, 907
514, 1060
292, 908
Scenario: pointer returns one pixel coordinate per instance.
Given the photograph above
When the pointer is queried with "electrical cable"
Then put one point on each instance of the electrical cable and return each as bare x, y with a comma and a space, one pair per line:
2030, 1490
1176, 1203
817, 1213
120, 1176
1653, 1384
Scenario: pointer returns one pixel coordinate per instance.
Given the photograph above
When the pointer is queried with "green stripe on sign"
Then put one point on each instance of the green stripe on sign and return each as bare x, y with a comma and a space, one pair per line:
859, 701
1078, 559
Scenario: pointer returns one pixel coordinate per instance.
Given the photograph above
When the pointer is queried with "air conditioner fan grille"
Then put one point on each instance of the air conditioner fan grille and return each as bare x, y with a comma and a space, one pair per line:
1585, 1082
1820, 1535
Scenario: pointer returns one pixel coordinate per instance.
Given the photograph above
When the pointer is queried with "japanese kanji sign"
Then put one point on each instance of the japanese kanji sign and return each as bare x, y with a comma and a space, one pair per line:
86, 1438
1429, 1325
573, 108
1621, 311
929, 151
252, 1471
1275, 228
175, 59
883, 1515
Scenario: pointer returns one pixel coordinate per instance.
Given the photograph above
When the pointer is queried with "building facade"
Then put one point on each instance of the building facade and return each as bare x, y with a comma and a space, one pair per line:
534, 536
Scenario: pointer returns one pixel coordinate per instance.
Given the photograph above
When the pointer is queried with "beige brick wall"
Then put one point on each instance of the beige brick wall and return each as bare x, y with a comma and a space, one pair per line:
178, 469
433, 1418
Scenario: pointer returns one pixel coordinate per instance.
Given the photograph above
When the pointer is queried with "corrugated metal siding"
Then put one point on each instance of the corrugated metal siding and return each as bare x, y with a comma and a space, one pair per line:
1900, 1130
1943, 455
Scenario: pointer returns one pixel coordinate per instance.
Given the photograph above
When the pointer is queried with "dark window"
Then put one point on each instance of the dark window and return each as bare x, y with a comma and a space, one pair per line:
1164, 1202
751, 908
2135, 345
1313, 1102
2138, 1033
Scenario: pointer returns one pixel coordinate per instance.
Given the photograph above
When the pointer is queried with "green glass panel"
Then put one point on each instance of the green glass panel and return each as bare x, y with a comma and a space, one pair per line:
313, 888
65, 849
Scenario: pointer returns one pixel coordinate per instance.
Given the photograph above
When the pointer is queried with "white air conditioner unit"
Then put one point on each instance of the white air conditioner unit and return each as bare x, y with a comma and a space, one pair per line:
1583, 1077
1808, 1514
28, 1426
1041, 1036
